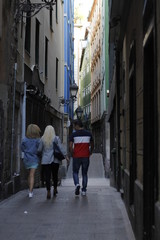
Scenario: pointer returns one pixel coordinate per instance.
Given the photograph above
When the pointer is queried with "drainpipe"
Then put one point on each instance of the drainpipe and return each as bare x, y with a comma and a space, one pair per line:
118, 178
24, 92
13, 117
24, 113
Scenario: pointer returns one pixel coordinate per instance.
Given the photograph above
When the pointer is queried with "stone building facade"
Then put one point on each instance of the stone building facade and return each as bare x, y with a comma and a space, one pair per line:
32, 75
8, 46
85, 80
100, 78
133, 111
96, 46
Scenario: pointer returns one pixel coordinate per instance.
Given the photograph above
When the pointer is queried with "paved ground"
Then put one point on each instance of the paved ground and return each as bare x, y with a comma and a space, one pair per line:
100, 215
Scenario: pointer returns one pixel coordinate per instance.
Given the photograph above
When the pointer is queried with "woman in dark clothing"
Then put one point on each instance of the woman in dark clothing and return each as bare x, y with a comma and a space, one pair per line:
49, 162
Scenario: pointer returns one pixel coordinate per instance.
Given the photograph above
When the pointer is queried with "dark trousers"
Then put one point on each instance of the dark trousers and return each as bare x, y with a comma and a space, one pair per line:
42, 175
48, 170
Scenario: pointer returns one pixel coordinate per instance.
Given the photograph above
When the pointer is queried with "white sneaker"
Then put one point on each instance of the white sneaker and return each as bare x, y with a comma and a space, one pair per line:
83, 193
30, 194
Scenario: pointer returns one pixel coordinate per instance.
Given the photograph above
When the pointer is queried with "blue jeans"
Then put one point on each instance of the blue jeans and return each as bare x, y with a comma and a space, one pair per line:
77, 163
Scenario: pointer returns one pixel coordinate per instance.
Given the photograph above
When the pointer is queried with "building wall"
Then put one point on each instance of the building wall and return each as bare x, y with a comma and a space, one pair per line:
134, 203
43, 107
69, 54
96, 75
8, 46
19, 67
0, 19
78, 35
85, 81
55, 36
105, 86
133, 109
104, 54
95, 18
100, 78
158, 87
157, 206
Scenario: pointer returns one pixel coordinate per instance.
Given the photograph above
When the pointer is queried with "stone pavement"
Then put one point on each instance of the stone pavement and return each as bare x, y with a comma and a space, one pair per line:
100, 215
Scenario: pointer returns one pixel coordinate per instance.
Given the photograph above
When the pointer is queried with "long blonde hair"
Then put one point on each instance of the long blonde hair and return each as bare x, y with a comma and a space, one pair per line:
33, 131
48, 136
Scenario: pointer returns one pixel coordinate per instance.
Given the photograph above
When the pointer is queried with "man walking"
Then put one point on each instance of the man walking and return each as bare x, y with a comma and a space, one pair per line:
81, 147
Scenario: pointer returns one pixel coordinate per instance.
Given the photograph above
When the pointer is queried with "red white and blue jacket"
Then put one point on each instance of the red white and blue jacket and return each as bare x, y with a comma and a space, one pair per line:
81, 140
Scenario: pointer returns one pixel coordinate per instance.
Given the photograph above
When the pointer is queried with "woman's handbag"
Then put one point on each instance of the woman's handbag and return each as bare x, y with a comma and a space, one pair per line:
57, 153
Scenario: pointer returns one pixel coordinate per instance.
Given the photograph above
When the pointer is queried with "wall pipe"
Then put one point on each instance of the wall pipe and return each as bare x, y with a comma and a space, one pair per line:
13, 117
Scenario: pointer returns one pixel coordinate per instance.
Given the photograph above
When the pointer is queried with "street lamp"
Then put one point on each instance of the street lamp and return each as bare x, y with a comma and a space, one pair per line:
31, 9
73, 93
79, 112
73, 90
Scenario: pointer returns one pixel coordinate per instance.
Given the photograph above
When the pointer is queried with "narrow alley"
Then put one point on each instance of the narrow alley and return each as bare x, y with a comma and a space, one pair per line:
97, 61
100, 215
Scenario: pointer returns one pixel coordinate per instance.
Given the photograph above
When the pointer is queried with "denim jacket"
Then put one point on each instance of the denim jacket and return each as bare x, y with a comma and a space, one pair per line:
30, 146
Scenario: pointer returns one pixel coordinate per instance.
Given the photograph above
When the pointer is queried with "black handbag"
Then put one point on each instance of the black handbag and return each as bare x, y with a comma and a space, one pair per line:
57, 153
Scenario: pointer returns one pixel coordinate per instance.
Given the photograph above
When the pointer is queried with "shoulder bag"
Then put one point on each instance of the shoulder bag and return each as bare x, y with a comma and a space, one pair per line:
57, 153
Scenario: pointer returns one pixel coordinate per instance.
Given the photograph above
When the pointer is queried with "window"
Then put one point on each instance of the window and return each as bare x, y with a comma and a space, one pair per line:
37, 43
88, 68
87, 90
28, 35
46, 57
57, 73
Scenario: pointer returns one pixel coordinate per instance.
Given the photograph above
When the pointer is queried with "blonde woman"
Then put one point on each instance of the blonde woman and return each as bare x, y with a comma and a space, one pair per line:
49, 162
31, 160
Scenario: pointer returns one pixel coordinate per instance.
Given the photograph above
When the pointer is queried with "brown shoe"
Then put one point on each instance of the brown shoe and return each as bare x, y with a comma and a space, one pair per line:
48, 194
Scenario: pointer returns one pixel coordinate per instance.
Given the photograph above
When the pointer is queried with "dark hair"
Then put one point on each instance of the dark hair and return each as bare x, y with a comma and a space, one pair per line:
78, 123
